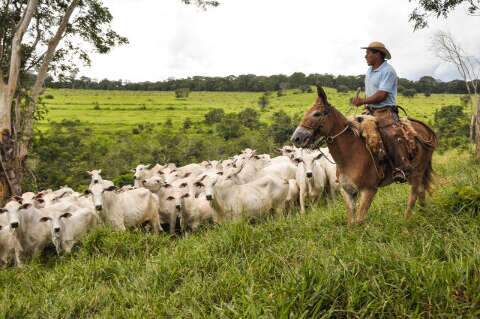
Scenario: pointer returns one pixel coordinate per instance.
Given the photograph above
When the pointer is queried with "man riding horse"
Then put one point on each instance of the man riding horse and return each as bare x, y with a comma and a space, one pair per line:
381, 83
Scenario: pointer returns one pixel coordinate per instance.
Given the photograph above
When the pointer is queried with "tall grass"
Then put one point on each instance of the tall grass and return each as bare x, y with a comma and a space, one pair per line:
299, 266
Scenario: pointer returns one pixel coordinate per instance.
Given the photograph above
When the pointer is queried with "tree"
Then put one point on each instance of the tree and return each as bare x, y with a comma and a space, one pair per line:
214, 116
409, 92
229, 127
263, 101
182, 93
450, 51
38, 37
439, 8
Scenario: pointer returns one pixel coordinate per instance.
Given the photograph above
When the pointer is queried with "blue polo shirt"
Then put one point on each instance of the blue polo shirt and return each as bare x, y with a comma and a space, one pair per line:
384, 78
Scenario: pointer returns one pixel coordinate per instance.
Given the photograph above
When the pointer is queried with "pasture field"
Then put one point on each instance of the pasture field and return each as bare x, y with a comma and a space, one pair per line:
306, 266
298, 266
110, 111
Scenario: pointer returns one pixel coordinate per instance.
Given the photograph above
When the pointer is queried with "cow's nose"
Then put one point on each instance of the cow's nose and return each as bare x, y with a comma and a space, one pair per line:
178, 207
209, 197
14, 225
309, 174
98, 207
56, 229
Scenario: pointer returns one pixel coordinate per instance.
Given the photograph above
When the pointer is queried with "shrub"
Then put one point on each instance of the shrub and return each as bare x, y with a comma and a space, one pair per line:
49, 97
229, 127
342, 88
409, 92
452, 125
305, 88
168, 123
187, 123
263, 101
182, 93
214, 116
249, 118
97, 106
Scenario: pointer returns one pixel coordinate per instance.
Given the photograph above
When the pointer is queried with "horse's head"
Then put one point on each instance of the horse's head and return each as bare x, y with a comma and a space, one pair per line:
316, 121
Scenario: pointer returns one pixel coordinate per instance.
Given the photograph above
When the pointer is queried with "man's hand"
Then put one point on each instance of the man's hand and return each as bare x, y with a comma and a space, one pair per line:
358, 101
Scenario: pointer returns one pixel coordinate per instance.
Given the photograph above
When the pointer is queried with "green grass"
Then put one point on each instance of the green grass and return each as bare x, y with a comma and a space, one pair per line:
121, 110
300, 266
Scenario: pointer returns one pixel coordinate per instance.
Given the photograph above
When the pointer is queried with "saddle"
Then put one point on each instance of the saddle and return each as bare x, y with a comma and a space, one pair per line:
389, 138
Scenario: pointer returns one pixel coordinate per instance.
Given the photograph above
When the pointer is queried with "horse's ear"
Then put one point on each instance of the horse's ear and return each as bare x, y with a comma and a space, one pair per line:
322, 95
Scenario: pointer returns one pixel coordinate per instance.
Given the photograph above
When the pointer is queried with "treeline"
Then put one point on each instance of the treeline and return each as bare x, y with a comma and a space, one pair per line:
254, 83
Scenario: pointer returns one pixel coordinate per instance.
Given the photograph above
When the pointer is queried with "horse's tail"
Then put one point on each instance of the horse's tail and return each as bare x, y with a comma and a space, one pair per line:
428, 178
429, 143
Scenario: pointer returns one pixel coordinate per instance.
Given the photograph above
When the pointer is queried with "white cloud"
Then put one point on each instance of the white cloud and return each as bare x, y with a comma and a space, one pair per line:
267, 37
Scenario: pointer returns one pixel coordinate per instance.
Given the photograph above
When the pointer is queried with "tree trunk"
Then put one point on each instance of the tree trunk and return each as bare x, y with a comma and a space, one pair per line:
477, 128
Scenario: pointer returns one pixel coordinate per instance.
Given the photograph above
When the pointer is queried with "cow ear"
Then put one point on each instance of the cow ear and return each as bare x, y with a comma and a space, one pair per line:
133, 170
89, 173
25, 206
99, 171
147, 166
322, 95
18, 198
110, 189
3, 210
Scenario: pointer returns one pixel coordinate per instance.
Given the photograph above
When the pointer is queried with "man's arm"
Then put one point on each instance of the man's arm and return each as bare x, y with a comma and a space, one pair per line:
378, 97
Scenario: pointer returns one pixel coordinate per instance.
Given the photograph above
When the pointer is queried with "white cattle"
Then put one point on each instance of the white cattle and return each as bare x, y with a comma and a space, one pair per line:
68, 224
125, 209
330, 168
31, 235
293, 193
249, 200
142, 172
8, 242
310, 177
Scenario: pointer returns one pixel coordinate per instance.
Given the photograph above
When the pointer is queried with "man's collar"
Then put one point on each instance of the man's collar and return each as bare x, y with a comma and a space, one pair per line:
380, 67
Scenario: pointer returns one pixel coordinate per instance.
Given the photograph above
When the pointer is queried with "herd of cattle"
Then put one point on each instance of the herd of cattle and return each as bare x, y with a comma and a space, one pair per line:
247, 185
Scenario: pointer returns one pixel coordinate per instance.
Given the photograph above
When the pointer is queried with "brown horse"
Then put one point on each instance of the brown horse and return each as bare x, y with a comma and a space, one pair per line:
356, 168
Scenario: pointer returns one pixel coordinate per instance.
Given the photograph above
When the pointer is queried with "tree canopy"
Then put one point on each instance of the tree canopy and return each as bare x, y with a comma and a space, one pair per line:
439, 8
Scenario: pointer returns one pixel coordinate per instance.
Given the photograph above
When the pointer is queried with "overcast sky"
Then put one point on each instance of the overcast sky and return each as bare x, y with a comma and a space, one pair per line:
264, 37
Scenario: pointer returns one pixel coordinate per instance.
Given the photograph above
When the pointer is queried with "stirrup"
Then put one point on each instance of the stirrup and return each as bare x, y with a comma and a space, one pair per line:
399, 176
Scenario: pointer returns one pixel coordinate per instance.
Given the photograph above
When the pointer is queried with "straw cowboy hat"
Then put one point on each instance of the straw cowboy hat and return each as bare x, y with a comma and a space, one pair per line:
379, 46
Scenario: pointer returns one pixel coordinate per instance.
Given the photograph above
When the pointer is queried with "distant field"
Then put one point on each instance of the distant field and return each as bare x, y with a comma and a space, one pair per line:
107, 111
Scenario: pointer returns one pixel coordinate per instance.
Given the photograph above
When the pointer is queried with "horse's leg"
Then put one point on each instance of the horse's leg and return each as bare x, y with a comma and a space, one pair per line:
421, 196
350, 204
412, 198
366, 198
